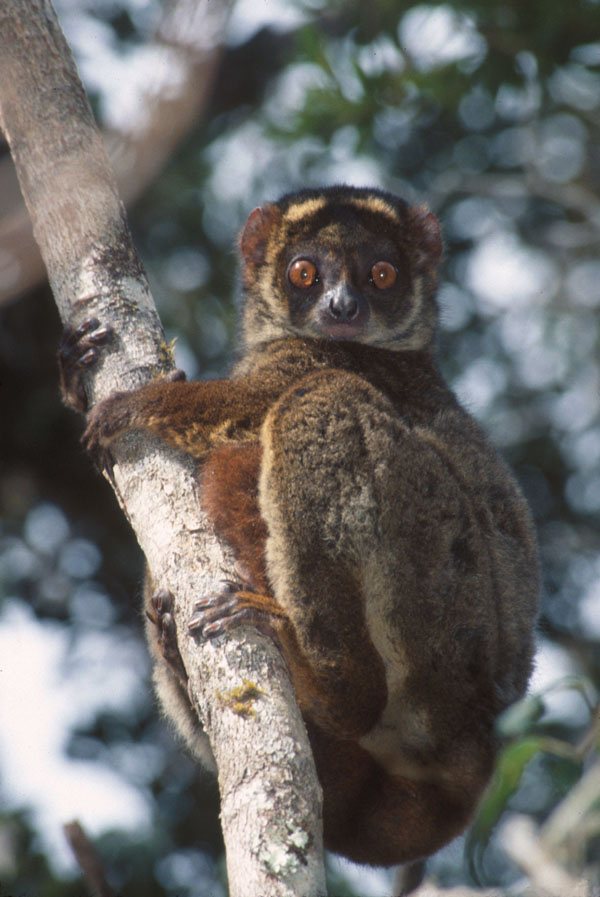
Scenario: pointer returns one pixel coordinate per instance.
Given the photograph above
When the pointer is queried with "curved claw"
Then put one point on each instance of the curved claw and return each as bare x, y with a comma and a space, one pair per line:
72, 335
235, 604
79, 350
211, 608
162, 605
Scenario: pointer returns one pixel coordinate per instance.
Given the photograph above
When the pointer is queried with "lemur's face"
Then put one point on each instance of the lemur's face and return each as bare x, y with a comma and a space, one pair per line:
343, 264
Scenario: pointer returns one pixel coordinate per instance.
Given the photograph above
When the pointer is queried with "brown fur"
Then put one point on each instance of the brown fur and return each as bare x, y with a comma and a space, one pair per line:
380, 539
230, 497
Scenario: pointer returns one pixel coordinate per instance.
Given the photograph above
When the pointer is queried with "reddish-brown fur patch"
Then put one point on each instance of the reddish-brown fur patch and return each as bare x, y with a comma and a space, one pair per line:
229, 483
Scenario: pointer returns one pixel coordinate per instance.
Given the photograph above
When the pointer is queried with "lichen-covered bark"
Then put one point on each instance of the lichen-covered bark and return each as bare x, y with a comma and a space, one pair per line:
270, 794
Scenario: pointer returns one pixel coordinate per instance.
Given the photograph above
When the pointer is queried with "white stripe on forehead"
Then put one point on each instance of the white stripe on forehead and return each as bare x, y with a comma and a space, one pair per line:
309, 207
302, 209
375, 204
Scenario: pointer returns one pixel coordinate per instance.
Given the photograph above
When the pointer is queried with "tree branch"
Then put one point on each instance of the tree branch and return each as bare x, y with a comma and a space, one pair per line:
269, 790
547, 877
187, 50
88, 860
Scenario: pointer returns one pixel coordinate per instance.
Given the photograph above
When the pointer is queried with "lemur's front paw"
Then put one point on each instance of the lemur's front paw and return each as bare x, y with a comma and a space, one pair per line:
79, 350
110, 418
119, 413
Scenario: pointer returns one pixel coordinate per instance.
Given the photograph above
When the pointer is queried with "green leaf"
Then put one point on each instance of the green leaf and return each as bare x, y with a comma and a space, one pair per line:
517, 719
509, 769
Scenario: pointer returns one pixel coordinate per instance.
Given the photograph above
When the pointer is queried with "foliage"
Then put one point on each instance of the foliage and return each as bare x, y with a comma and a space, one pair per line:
560, 763
490, 112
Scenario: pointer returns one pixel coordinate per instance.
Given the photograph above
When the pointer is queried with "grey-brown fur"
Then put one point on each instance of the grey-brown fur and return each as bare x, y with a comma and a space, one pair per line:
381, 539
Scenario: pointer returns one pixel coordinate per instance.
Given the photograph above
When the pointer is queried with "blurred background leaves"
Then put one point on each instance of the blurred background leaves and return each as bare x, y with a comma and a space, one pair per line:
490, 113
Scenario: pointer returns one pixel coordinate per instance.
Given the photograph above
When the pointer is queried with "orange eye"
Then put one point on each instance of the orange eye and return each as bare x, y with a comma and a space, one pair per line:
383, 275
303, 273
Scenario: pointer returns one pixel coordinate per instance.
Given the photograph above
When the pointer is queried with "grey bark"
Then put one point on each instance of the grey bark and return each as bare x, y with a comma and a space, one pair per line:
187, 38
269, 790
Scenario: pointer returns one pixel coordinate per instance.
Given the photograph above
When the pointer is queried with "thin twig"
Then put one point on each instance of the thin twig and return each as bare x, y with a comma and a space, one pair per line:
88, 860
